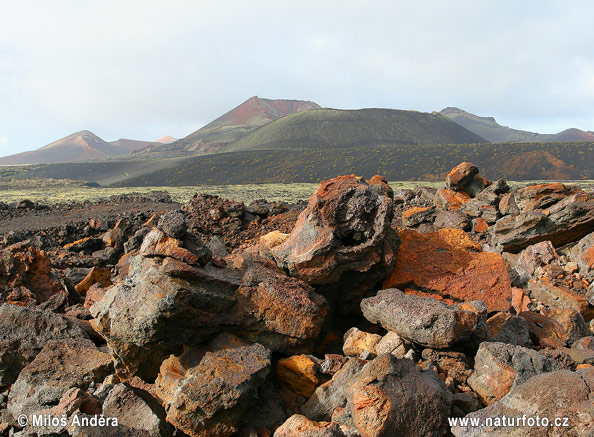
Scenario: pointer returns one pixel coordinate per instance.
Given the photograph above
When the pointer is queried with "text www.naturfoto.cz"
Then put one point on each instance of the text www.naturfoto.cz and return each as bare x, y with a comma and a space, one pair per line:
504, 421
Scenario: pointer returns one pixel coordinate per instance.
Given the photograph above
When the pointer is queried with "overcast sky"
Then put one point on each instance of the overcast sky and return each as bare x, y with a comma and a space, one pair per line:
144, 69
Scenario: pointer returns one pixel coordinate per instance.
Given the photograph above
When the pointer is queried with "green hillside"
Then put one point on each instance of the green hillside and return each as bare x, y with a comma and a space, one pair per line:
333, 128
519, 161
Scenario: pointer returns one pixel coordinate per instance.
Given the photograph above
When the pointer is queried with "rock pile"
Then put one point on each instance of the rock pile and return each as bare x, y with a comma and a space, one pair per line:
364, 313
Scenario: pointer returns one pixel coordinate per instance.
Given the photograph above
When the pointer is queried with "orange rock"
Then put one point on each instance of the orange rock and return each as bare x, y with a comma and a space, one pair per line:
25, 277
461, 175
95, 275
481, 225
299, 374
583, 366
449, 264
519, 300
298, 425
544, 331
452, 200
414, 210
156, 243
544, 291
356, 342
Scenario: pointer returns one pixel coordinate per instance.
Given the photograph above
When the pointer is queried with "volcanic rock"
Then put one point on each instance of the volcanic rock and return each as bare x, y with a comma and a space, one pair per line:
343, 239
461, 175
567, 220
417, 214
59, 366
451, 200
173, 224
95, 276
299, 373
452, 219
211, 397
498, 367
448, 265
26, 277
331, 395
533, 257
23, 333
390, 397
423, 320
557, 394
583, 254
165, 304
541, 196
300, 426
357, 342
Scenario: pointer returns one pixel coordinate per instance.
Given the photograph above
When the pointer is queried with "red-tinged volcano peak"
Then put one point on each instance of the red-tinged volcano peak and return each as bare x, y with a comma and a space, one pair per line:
255, 110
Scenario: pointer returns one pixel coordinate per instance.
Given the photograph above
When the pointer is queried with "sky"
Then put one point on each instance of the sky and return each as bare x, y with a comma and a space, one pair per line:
144, 69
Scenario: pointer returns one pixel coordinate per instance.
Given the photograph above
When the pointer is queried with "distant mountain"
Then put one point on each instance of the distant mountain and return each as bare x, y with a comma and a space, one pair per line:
166, 140
333, 128
251, 114
489, 129
79, 146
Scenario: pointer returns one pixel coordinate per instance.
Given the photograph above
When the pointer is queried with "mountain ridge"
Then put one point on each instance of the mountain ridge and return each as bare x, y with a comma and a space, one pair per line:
488, 128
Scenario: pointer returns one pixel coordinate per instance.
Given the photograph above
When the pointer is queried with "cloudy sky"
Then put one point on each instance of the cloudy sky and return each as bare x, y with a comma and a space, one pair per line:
143, 69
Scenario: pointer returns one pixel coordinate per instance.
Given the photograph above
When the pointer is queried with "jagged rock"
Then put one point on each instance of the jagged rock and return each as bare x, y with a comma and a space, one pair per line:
299, 373
117, 236
451, 200
507, 205
157, 243
498, 367
23, 333
461, 175
165, 304
416, 215
476, 185
60, 365
568, 220
508, 328
391, 343
207, 395
357, 342
542, 196
450, 364
423, 320
343, 241
135, 241
193, 243
573, 323
173, 224
555, 297
300, 426
26, 277
332, 363
480, 225
95, 276
85, 245
331, 395
448, 265
452, 219
533, 257
390, 397
544, 331
270, 241
583, 254
550, 395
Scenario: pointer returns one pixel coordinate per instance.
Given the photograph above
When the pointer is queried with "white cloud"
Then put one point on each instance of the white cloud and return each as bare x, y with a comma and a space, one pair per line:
143, 69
